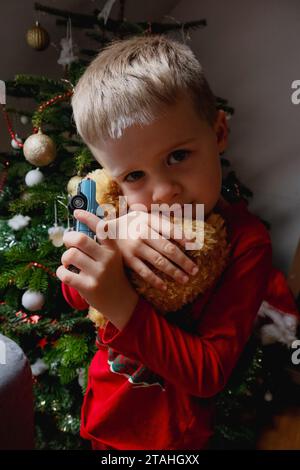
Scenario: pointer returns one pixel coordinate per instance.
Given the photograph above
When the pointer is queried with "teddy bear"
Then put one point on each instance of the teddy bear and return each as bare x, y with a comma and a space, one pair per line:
211, 258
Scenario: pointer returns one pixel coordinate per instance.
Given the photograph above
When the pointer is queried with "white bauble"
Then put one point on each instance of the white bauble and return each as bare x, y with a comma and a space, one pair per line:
24, 119
34, 177
33, 300
14, 142
19, 221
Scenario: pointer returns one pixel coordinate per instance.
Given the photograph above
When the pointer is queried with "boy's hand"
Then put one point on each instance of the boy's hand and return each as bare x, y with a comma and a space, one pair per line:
152, 246
102, 281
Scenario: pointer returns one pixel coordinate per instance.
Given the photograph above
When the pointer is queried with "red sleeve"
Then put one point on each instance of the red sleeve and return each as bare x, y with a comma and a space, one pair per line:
73, 297
200, 362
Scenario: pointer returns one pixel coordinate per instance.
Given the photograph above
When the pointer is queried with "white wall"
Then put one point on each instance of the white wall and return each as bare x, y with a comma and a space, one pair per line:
250, 52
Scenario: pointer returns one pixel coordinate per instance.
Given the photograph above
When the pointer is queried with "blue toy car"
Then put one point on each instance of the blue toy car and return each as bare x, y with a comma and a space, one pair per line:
85, 199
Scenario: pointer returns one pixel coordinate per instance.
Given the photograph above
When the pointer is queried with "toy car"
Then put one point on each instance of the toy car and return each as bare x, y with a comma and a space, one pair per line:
84, 199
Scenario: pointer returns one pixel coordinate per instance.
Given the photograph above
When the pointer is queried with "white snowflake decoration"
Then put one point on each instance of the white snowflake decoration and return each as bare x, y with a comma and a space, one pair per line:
19, 221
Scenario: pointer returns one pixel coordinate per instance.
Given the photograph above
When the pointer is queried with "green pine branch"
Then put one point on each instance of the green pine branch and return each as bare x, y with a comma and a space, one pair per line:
68, 354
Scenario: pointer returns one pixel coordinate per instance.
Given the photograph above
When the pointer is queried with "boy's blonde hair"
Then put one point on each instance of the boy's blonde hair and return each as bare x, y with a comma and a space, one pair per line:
131, 80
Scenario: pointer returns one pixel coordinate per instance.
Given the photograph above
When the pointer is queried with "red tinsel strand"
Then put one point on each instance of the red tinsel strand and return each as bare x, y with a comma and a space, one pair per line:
52, 101
39, 265
41, 108
9, 126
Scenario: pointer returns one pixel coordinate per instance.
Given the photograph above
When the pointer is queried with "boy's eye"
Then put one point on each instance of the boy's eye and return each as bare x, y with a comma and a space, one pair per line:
133, 176
178, 155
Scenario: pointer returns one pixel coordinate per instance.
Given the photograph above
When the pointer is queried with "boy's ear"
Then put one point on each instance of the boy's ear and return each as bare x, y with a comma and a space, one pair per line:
221, 130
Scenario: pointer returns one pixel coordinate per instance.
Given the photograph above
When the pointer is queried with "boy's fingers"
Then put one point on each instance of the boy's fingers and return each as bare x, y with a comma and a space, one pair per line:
82, 242
97, 225
75, 257
169, 228
74, 280
163, 264
87, 218
176, 255
142, 270
66, 276
106, 236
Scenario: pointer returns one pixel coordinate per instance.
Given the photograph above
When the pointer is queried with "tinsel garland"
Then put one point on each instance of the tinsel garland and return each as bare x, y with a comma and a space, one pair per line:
37, 117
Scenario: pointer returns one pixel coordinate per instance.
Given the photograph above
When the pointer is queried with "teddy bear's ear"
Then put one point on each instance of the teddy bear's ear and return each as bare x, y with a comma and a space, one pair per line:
107, 190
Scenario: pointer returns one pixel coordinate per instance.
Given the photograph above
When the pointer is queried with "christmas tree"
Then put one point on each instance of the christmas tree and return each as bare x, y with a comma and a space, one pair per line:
37, 178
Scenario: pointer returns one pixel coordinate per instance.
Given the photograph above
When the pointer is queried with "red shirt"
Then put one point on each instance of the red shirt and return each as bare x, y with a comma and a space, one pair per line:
151, 385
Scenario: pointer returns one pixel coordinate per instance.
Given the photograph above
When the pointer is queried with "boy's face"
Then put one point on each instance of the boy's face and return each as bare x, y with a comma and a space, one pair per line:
175, 159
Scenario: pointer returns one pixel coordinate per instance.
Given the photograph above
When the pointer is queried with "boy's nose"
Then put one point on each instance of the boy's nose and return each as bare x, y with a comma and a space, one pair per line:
166, 192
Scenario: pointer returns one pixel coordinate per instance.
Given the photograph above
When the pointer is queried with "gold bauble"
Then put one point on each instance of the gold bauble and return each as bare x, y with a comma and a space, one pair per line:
73, 185
39, 149
38, 38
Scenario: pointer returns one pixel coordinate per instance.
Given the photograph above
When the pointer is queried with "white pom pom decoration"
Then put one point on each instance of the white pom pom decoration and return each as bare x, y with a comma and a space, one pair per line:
33, 300
34, 177
19, 221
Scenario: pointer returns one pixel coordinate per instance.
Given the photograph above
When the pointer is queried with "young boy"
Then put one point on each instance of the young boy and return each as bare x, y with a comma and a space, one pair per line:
146, 111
